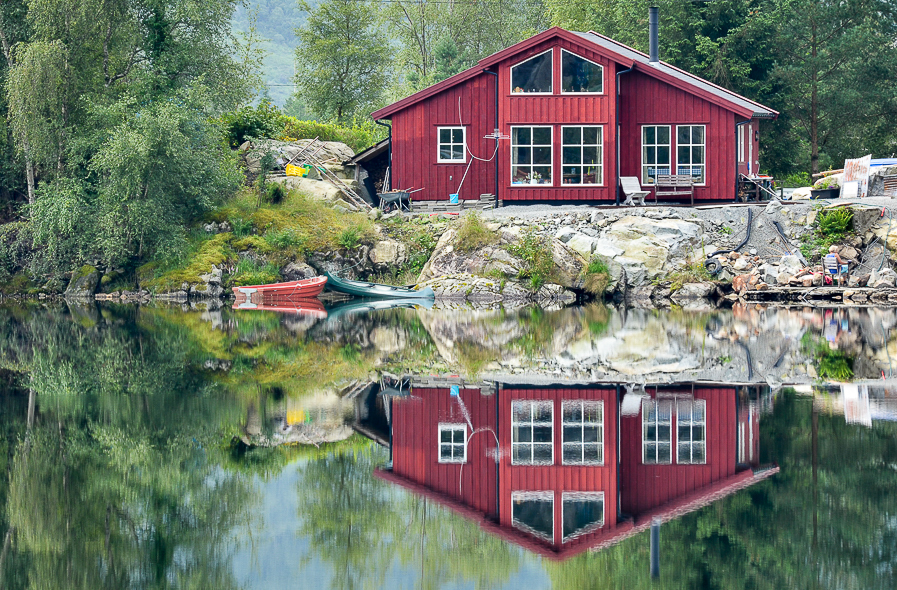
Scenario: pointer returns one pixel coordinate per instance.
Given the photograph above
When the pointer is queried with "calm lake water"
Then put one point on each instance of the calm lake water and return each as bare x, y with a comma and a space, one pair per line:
157, 447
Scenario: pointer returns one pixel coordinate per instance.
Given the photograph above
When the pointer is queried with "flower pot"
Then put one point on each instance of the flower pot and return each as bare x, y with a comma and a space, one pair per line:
825, 193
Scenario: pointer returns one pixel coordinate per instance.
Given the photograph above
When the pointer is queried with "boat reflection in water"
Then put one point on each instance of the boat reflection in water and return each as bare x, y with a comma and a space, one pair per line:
562, 470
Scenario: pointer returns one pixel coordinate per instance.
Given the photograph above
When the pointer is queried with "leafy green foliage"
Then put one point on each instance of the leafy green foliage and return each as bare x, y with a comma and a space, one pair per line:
538, 263
249, 122
341, 59
250, 272
350, 238
832, 227
358, 134
831, 364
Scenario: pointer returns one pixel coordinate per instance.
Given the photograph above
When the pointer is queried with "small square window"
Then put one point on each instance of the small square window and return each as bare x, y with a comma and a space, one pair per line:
452, 443
451, 145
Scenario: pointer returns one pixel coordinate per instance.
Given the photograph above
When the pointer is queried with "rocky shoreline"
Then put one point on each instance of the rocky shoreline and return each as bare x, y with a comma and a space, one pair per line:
656, 256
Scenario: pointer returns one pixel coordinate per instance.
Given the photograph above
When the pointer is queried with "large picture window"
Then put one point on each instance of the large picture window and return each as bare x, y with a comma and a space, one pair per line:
583, 430
655, 152
533, 75
690, 152
451, 144
691, 432
583, 512
452, 443
582, 155
533, 512
532, 441
580, 75
531, 155
657, 431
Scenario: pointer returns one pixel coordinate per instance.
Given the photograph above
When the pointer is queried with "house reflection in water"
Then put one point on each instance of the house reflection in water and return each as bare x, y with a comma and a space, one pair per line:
560, 470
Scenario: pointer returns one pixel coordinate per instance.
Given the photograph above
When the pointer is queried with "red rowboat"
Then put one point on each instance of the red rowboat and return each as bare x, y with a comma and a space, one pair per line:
305, 288
303, 307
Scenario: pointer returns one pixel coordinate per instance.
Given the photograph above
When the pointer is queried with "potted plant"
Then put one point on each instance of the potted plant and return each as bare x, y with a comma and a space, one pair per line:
828, 187
535, 178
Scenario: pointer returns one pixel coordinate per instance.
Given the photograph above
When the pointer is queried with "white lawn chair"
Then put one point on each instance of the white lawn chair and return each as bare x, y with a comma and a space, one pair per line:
633, 191
834, 270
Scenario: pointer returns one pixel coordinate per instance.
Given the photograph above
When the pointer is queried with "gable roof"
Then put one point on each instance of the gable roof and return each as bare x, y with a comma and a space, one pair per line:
613, 50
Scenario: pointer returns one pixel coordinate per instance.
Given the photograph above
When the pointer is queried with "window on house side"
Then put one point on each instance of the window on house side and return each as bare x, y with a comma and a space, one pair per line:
583, 432
740, 142
583, 512
690, 151
533, 75
657, 432
533, 512
451, 144
452, 443
580, 75
655, 152
532, 429
582, 155
691, 432
531, 155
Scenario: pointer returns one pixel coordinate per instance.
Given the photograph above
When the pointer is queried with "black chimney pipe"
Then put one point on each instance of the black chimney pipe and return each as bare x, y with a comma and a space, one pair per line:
653, 24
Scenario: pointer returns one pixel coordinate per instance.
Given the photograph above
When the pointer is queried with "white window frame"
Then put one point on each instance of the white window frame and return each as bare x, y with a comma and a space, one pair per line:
533, 146
740, 140
572, 93
592, 527
582, 424
531, 424
543, 496
511, 76
656, 405
444, 427
439, 144
691, 145
644, 167
702, 404
600, 147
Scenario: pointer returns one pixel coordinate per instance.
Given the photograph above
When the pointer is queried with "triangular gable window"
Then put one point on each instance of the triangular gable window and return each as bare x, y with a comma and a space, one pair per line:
583, 513
533, 512
533, 75
580, 75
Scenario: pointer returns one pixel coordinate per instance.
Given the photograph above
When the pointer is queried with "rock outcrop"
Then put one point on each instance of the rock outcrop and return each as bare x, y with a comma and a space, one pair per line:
83, 284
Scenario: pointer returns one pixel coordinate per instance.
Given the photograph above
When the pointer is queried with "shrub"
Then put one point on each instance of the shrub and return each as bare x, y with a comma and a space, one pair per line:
241, 227
797, 180
595, 276
538, 263
249, 272
274, 193
265, 120
349, 238
286, 238
473, 234
358, 136
832, 226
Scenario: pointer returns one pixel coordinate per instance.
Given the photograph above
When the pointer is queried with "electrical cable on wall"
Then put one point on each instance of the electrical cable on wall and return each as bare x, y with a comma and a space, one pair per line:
467, 149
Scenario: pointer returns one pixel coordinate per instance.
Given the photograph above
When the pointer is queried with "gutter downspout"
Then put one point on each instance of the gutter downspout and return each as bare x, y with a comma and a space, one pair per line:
389, 157
617, 115
737, 125
496, 132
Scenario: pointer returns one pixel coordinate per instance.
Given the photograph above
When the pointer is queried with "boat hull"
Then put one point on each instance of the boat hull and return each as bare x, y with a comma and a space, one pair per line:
302, 288
307, 307
375, 290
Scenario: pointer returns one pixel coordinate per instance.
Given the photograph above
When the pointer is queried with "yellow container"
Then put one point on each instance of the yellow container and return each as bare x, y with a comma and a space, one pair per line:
301, 171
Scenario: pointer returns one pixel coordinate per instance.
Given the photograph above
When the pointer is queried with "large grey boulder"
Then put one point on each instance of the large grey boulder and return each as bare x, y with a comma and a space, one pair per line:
387, 254
691, 292
83, 284
297, 271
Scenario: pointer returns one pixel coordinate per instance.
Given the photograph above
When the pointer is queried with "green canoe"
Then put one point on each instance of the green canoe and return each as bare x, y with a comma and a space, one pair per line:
376, 290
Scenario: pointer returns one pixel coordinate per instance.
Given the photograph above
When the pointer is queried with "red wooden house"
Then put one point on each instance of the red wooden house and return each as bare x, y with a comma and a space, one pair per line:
577, 469
574, 111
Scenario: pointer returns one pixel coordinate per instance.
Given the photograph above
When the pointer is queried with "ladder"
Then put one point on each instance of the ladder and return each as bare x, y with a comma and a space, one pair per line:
310, 156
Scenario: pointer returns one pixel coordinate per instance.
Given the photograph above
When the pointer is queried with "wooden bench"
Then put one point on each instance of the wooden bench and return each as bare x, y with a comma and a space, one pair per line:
674, 185
633, 191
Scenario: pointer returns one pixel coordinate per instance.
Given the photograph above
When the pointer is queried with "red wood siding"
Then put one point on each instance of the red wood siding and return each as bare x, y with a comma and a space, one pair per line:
415, 451
647, 101
557, 110
415, 145
646, 487
558, 477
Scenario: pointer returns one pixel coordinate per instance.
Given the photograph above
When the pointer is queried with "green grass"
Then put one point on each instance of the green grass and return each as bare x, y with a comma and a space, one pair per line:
473, 234
596, 276
249, 272
831, 227
538, 264
693, 272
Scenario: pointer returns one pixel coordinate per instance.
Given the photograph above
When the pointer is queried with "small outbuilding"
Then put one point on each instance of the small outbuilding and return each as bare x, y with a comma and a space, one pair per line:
562, 116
